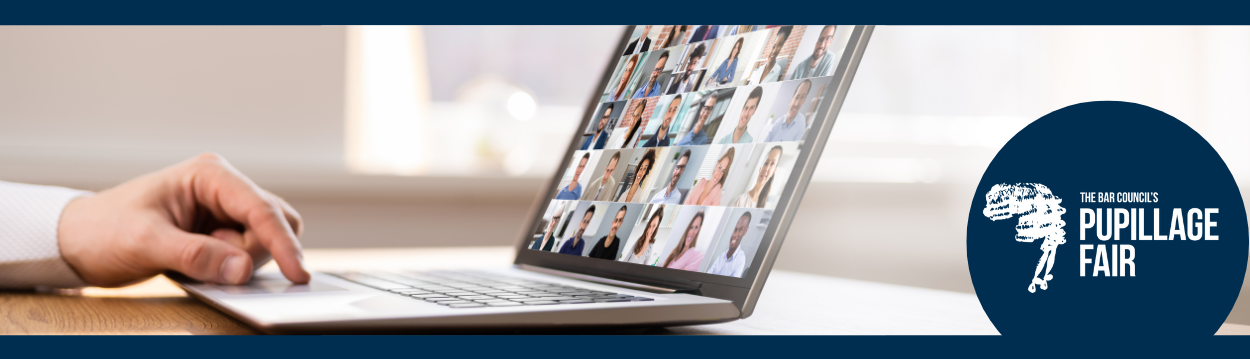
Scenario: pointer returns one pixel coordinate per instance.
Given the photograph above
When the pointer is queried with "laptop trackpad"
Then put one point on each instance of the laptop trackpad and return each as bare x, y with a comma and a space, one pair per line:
263, 285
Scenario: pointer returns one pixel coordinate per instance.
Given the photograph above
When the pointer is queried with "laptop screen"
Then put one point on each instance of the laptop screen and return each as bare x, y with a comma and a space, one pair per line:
691, 144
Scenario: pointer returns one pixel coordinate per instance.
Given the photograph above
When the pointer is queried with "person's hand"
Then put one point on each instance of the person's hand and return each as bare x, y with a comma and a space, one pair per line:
201, 218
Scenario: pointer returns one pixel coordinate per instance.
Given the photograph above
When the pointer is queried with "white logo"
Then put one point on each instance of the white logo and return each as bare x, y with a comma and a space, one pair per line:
1040, 217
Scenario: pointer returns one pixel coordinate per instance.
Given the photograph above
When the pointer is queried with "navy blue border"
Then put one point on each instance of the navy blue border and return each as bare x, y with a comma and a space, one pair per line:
363, 12
616, 346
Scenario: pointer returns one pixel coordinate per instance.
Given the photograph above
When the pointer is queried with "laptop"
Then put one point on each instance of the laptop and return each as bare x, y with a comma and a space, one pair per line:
668, 207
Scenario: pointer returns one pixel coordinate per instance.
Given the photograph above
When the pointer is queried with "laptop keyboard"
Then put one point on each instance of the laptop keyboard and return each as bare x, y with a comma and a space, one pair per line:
460, 289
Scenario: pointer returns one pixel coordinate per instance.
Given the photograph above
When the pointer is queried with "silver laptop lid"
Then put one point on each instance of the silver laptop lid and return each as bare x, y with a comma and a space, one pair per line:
693, 155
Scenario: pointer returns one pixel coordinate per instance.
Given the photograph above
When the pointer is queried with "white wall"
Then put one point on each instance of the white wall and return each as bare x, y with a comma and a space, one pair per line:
262, 96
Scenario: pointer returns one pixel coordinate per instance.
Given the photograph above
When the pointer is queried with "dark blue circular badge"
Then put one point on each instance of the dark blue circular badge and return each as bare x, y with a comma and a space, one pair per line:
1107, 219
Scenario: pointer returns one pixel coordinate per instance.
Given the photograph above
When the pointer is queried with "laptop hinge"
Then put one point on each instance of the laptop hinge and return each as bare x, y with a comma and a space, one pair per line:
601, 280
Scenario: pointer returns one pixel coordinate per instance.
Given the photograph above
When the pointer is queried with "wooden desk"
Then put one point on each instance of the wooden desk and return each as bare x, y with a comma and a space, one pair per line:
794, 303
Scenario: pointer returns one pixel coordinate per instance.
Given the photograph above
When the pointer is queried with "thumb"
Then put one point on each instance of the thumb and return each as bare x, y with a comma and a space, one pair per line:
202, 257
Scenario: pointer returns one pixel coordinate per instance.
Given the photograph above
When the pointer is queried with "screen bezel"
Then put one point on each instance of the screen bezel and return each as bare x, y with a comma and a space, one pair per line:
752, 281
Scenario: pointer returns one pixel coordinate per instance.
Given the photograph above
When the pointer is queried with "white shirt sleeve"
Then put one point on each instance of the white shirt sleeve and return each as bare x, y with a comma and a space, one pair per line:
29, 254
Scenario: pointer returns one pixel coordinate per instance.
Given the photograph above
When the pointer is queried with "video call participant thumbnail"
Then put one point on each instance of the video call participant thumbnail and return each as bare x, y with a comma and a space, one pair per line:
548, 240
775, 68
574, 190
689, 79
601, 130
698, 134
757, 196
676, 36
653, 86
685, 256
670, 194
575, 245
634, 121
640, 176
661, 137
739, 134
646, 42
604, 187
734, 261
795, 124
704, 32
627, 73
819, 63
641, 253
609, 246
725, 72
707, 192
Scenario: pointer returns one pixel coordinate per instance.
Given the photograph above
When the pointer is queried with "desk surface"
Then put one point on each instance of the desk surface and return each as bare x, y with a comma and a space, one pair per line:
794, 303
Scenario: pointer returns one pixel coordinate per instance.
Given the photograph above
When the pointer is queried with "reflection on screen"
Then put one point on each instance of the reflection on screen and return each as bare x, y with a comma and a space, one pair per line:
692, 142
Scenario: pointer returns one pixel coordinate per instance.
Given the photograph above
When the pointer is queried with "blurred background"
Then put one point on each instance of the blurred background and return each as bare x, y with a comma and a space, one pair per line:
399, 136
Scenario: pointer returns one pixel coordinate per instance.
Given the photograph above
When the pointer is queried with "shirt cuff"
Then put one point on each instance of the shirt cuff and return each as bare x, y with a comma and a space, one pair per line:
30, 256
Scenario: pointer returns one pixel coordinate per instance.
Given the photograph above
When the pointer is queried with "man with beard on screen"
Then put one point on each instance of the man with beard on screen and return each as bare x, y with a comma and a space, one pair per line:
609, 246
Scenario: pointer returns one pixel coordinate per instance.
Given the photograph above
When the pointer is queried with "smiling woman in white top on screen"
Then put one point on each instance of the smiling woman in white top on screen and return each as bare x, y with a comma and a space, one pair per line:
641, 252
758, 195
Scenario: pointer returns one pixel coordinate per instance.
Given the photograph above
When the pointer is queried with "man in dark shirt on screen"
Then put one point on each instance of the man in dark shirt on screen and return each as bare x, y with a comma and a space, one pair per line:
549, 239
642, 40
601, 132
609, 246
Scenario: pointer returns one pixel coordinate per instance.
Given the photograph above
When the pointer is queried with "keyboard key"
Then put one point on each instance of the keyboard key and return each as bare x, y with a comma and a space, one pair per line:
492, 301
641, 299
423, 296
467, 305
541, 302
457, 302
513, 296
558, 298
576, 301
443, 299
531, 300
474, 297
504, 304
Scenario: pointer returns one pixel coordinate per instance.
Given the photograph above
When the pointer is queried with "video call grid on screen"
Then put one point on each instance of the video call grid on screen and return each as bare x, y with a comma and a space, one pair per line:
686, 155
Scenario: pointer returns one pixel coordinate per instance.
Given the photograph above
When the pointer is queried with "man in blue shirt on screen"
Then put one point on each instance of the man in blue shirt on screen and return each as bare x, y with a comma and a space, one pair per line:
601, 133
698, 135
575, 245
574, 190
792, 128
820, 63
653, 87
